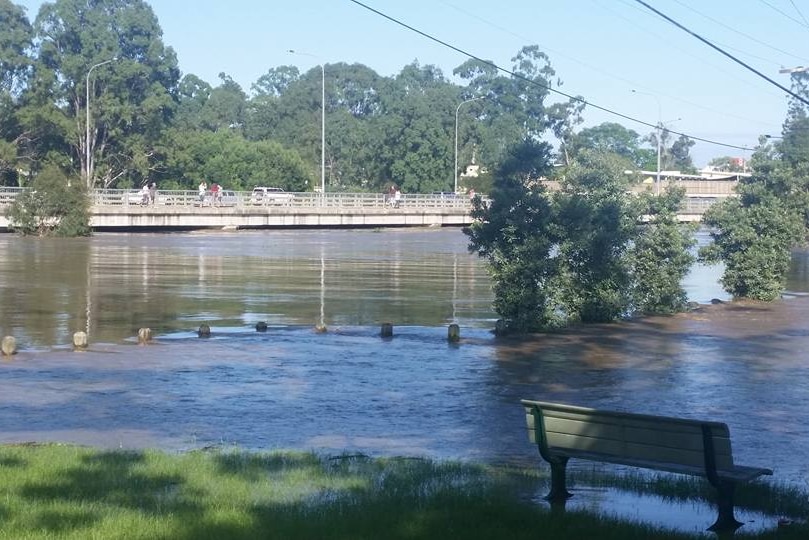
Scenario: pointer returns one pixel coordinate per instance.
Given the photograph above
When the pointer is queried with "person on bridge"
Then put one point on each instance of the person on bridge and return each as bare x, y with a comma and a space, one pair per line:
203, 187
214, 194
144, 195
152, 192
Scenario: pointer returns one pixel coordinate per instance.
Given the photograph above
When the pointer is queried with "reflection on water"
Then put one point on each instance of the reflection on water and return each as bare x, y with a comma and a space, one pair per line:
111, 285
348, 389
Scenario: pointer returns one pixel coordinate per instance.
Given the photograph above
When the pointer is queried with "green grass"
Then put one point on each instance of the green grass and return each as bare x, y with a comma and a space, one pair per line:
54, 491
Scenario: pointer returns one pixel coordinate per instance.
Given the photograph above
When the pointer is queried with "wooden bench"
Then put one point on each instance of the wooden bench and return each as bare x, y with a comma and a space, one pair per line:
693, 447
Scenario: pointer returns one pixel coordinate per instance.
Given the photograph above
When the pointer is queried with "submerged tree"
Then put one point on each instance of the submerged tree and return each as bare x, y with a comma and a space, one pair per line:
582, 254
54, 206
754, 233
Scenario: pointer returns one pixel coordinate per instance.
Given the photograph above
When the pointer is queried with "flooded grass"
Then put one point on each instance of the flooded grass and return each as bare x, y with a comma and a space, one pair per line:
56, 491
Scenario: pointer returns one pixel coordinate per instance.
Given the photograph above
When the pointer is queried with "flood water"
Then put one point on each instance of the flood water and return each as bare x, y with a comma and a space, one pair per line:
348, 389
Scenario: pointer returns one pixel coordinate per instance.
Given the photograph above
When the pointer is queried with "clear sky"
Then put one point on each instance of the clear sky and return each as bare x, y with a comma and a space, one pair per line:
601, 50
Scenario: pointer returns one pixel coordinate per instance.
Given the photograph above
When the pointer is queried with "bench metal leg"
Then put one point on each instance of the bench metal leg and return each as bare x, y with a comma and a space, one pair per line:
726, 521
559, 492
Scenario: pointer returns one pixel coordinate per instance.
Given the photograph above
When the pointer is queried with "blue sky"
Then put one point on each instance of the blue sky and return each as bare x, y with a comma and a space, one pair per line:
600, 49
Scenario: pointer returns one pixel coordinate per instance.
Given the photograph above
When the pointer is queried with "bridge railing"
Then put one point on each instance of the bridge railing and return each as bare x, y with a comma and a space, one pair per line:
245, 199
169, 199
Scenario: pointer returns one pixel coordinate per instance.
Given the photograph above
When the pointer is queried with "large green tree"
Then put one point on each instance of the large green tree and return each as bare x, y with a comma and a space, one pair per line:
16, 43
116, 47
754, 233
230, 160
516, 232
588, 253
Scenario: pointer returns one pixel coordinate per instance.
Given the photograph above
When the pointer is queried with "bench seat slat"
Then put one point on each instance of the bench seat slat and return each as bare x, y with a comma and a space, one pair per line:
738, 473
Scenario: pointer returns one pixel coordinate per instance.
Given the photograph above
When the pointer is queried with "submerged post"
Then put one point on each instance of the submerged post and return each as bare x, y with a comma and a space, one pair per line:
79, 341
387, 330
204, 331
261, 326
144, 336
454, 333
9, 346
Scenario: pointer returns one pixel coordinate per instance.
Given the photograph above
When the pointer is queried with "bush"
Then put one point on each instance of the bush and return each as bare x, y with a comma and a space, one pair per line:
52, 206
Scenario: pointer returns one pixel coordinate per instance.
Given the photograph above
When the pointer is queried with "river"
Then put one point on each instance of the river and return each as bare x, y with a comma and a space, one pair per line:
348, 389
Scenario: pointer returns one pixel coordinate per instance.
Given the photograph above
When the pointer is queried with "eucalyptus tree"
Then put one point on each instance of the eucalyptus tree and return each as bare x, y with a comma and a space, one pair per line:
416, 143
16, 43
116, 46
515, 103
192, 95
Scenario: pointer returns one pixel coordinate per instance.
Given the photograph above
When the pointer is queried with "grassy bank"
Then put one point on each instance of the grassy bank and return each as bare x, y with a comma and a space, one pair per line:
53, 491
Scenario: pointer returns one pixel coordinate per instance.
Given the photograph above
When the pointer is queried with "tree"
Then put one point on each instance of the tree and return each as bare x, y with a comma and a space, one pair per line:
753, 234
16, 42
661, 254
599, 224
515, 232
582, 254
611, 137
52, 207
231, 160
132, 97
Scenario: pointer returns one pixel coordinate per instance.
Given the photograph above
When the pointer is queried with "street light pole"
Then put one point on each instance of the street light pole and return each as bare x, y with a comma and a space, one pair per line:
322, 120
87, 154
458, 108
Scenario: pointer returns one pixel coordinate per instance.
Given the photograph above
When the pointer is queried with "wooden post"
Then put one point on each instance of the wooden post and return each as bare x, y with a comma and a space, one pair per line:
9, 346
144, 336
454, 333
261, 326
79, 341
204, 331
320, 328
387, 330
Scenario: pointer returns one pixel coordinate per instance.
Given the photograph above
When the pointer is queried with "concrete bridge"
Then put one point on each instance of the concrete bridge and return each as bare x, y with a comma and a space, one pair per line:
122, 210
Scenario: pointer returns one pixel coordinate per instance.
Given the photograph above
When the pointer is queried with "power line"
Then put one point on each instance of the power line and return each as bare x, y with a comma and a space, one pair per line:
702, 39
799, 12
790, 17
612, 75
530, 81
751, 38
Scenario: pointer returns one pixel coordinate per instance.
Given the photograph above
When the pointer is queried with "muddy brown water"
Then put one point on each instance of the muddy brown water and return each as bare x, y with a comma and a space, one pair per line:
348, 389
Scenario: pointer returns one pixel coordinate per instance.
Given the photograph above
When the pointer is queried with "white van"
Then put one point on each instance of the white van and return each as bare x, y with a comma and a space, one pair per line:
270, 195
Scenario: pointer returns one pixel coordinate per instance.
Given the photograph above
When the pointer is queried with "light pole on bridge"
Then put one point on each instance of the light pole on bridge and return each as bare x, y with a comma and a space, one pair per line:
458, 108
88, 169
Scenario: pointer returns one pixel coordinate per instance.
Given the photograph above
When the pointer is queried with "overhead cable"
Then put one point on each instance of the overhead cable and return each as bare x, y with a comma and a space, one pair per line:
702, 39
530, 81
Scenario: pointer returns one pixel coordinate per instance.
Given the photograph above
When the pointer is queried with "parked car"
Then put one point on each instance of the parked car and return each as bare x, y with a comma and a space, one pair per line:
224, 197
270, 195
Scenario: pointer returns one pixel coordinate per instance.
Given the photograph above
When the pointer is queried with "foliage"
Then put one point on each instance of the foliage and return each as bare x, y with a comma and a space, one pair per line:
599, 222
231, 160
754, 234
51, 207
579, 255
661, 255
613, 138
515, 232
131, 94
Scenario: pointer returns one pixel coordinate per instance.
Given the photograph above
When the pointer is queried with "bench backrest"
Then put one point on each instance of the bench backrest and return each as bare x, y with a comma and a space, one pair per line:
665, 443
